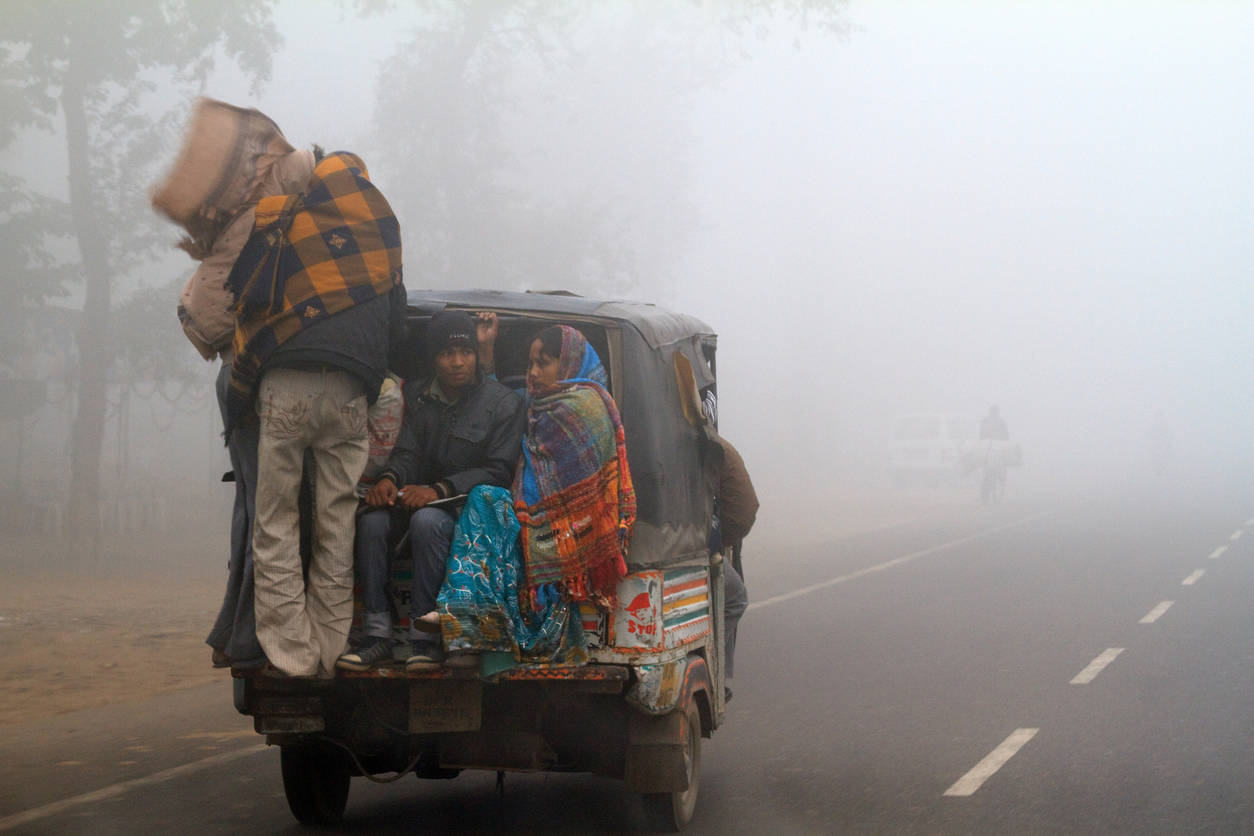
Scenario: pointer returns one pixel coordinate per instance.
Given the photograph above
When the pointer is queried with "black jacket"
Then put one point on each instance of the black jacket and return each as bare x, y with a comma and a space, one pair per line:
356, 340
476, 441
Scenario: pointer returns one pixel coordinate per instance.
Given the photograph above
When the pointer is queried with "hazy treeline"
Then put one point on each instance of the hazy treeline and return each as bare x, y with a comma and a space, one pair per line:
525, 145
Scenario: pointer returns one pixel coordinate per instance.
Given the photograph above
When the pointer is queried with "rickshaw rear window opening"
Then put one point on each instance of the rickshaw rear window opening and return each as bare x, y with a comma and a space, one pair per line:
513, 346
637, 344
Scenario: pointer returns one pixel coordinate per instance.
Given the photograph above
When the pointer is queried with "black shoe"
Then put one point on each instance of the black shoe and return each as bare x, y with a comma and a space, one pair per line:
726, 695
373, 651
424, 656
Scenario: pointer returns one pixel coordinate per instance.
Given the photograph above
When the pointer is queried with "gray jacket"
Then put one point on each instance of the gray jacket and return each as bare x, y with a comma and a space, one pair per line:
476, 441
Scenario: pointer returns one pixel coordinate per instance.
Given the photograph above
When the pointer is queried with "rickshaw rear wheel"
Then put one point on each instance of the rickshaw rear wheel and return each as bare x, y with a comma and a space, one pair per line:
671, 811
315, 781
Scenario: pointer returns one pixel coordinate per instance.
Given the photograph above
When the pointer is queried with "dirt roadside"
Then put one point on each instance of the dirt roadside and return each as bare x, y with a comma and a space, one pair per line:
123, 624
129, 621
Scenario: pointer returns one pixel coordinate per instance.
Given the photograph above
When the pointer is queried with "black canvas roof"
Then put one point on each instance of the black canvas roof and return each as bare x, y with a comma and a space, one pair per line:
657, 325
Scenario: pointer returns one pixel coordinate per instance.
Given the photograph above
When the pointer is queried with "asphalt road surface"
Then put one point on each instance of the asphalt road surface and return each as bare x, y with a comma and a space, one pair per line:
1031, 668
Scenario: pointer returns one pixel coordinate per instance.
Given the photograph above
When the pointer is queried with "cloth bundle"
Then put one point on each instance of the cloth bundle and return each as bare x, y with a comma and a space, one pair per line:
231, 157
383, 427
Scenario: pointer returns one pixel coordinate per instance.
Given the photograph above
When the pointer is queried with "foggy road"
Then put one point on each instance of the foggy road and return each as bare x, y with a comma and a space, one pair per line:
892, 215
1026, 669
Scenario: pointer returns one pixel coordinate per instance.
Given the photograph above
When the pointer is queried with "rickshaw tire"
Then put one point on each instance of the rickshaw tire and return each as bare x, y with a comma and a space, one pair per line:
670, 812
315, 781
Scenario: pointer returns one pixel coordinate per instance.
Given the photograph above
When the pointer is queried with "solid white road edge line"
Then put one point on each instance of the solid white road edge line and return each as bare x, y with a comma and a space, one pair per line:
1218, 552
1194, 578
117, 789
1156, 613
888, 564
993, 761
1095, 667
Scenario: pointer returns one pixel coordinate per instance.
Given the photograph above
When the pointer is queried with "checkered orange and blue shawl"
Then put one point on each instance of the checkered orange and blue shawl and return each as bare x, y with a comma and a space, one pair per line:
311, 256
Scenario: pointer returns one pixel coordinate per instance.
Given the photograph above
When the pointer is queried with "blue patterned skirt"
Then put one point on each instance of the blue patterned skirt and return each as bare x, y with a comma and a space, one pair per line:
478, 602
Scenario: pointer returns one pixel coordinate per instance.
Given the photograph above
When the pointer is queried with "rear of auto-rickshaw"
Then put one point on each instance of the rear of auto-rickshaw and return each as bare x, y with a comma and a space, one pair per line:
653, 685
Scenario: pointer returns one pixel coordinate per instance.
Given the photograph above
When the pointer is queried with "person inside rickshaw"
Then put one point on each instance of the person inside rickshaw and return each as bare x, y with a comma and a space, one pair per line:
460, 430
521, 559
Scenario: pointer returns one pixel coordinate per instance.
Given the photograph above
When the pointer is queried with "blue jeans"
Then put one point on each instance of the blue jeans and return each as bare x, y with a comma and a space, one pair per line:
735, 601
430, 533
235, 630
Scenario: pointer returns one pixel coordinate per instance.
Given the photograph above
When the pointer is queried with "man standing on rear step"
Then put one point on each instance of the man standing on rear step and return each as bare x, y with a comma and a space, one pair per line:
461, 429
319, 304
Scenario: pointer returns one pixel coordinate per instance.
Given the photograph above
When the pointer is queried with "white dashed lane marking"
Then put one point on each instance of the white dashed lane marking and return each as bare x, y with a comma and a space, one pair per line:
995, 760
1095, 667
1156, 613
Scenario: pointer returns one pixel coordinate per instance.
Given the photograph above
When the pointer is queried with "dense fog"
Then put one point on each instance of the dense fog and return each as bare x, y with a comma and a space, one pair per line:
883, 209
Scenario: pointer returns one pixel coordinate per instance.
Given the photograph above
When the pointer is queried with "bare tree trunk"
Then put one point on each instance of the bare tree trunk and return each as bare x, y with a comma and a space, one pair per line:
94, 355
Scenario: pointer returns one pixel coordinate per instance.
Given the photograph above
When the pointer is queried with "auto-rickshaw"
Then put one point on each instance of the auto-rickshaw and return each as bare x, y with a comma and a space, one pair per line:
653, 686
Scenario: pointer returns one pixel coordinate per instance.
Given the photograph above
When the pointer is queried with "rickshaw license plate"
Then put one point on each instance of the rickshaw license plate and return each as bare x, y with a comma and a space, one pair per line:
445, 706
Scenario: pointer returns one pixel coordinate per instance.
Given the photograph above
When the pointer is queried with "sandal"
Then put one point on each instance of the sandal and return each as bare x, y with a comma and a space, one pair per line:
429, 623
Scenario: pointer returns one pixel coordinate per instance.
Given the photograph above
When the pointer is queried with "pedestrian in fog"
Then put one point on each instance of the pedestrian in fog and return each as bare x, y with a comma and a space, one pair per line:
993, 426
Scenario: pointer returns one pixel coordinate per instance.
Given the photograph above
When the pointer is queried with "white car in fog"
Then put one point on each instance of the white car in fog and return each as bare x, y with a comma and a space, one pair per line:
928, 447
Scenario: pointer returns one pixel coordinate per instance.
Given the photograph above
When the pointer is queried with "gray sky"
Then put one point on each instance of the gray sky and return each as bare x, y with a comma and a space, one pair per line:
1041, 205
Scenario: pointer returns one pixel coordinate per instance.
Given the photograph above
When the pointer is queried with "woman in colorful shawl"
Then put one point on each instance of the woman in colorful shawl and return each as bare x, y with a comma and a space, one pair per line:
572, 509
573, 493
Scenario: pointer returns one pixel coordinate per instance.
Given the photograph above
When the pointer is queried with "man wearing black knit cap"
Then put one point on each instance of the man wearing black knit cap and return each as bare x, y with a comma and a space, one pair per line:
461, 430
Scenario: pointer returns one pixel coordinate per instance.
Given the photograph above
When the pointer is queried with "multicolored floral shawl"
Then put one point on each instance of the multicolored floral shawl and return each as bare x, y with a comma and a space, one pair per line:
479, 603
573, 494
311, 256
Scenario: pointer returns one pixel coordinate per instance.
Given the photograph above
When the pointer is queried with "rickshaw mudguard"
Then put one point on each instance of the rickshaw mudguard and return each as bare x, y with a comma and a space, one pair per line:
657, 687
663, 687
655, 742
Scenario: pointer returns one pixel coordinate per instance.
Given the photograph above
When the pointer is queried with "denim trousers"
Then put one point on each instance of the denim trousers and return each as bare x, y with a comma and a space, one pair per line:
429, 533
735, 602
